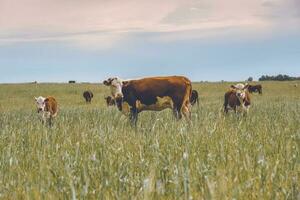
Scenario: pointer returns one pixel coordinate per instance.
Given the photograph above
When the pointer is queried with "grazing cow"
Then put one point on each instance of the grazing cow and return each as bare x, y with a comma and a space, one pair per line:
237, 98
47, 107
194, 98
88, 95
153, 93
110, 101
255, 88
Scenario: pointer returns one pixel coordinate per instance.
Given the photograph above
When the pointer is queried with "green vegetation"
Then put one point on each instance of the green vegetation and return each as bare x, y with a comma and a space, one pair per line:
279, 77
91, 152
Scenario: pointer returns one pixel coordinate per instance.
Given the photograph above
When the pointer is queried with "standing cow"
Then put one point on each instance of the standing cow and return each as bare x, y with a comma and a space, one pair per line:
88, 95
255, 88
47, 107
153, 93
237, 99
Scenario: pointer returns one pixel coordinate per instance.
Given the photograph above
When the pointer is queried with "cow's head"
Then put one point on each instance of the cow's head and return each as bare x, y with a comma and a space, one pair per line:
115, 85
40, 103
240, 91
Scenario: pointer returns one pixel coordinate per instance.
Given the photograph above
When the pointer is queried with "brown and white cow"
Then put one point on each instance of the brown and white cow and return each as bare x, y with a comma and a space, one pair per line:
153, 93
255, 88
237, 99
47, 107
194, 98
110, 101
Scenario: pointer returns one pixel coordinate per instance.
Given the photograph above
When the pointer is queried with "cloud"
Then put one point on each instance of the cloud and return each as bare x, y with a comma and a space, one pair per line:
104, 23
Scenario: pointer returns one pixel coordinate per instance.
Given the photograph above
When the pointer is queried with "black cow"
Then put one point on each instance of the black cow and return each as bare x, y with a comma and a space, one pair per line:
255, 88
88, 95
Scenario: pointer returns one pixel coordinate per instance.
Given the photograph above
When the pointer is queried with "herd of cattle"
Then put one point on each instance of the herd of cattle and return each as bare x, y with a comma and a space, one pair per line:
155, 93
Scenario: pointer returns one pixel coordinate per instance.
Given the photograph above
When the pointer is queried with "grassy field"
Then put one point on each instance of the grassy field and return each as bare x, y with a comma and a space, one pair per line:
91, 152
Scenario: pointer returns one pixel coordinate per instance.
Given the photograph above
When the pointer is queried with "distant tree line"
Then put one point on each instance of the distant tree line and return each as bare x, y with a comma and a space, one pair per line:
279, 77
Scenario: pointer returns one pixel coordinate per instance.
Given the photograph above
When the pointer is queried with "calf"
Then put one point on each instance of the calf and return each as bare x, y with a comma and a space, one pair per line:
237, 98
88, 95
194, 98
47, 107
110, 101
153, 93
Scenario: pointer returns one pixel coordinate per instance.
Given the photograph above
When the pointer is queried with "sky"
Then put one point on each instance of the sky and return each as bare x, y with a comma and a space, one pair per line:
205, 40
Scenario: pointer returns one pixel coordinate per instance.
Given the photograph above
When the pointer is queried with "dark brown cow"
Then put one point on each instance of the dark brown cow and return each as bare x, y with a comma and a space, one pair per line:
255, 88
154, 93
88, 95
194, 98
110, 101
237, 98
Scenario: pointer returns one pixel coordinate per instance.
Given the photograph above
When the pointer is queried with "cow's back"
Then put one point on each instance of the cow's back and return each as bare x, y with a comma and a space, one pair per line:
231, 99
51, 105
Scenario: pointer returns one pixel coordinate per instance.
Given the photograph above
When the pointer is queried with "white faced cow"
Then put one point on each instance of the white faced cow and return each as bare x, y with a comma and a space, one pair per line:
47, 107
153, 93
238, 99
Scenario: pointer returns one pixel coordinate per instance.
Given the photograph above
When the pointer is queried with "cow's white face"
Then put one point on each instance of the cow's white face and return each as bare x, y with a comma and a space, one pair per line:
40, 103
241, 94
115, 87
240, 90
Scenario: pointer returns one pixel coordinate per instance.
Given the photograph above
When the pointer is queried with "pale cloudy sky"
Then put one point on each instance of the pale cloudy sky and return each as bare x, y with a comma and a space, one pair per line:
59, 40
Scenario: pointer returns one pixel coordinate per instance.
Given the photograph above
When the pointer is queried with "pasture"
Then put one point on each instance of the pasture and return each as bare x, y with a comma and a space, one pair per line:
91, 152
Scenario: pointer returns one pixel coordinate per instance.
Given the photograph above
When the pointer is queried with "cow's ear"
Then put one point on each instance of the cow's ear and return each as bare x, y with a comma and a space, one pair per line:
232, 86
46, 100
35, 98
125, 82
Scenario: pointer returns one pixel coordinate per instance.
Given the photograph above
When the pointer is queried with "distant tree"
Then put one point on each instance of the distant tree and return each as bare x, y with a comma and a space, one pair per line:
250, 79
72, 81
279, 77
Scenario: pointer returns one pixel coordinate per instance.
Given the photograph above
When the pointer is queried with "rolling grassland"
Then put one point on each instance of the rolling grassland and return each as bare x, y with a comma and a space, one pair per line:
92, 152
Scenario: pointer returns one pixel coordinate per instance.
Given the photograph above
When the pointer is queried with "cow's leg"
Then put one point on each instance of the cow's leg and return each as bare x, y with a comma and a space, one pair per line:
133, 116
235, 108
177, 113
44, 118
186, 109
50, 121
186, 112
225, 109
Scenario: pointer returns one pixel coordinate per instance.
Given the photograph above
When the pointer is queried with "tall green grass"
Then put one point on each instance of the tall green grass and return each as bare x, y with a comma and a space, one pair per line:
91, 152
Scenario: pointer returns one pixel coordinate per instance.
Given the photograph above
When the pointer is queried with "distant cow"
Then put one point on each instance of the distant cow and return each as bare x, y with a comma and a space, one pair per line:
237, 99
194, 97
110, 101
154, 93
88, 95
255, 88
47, 107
